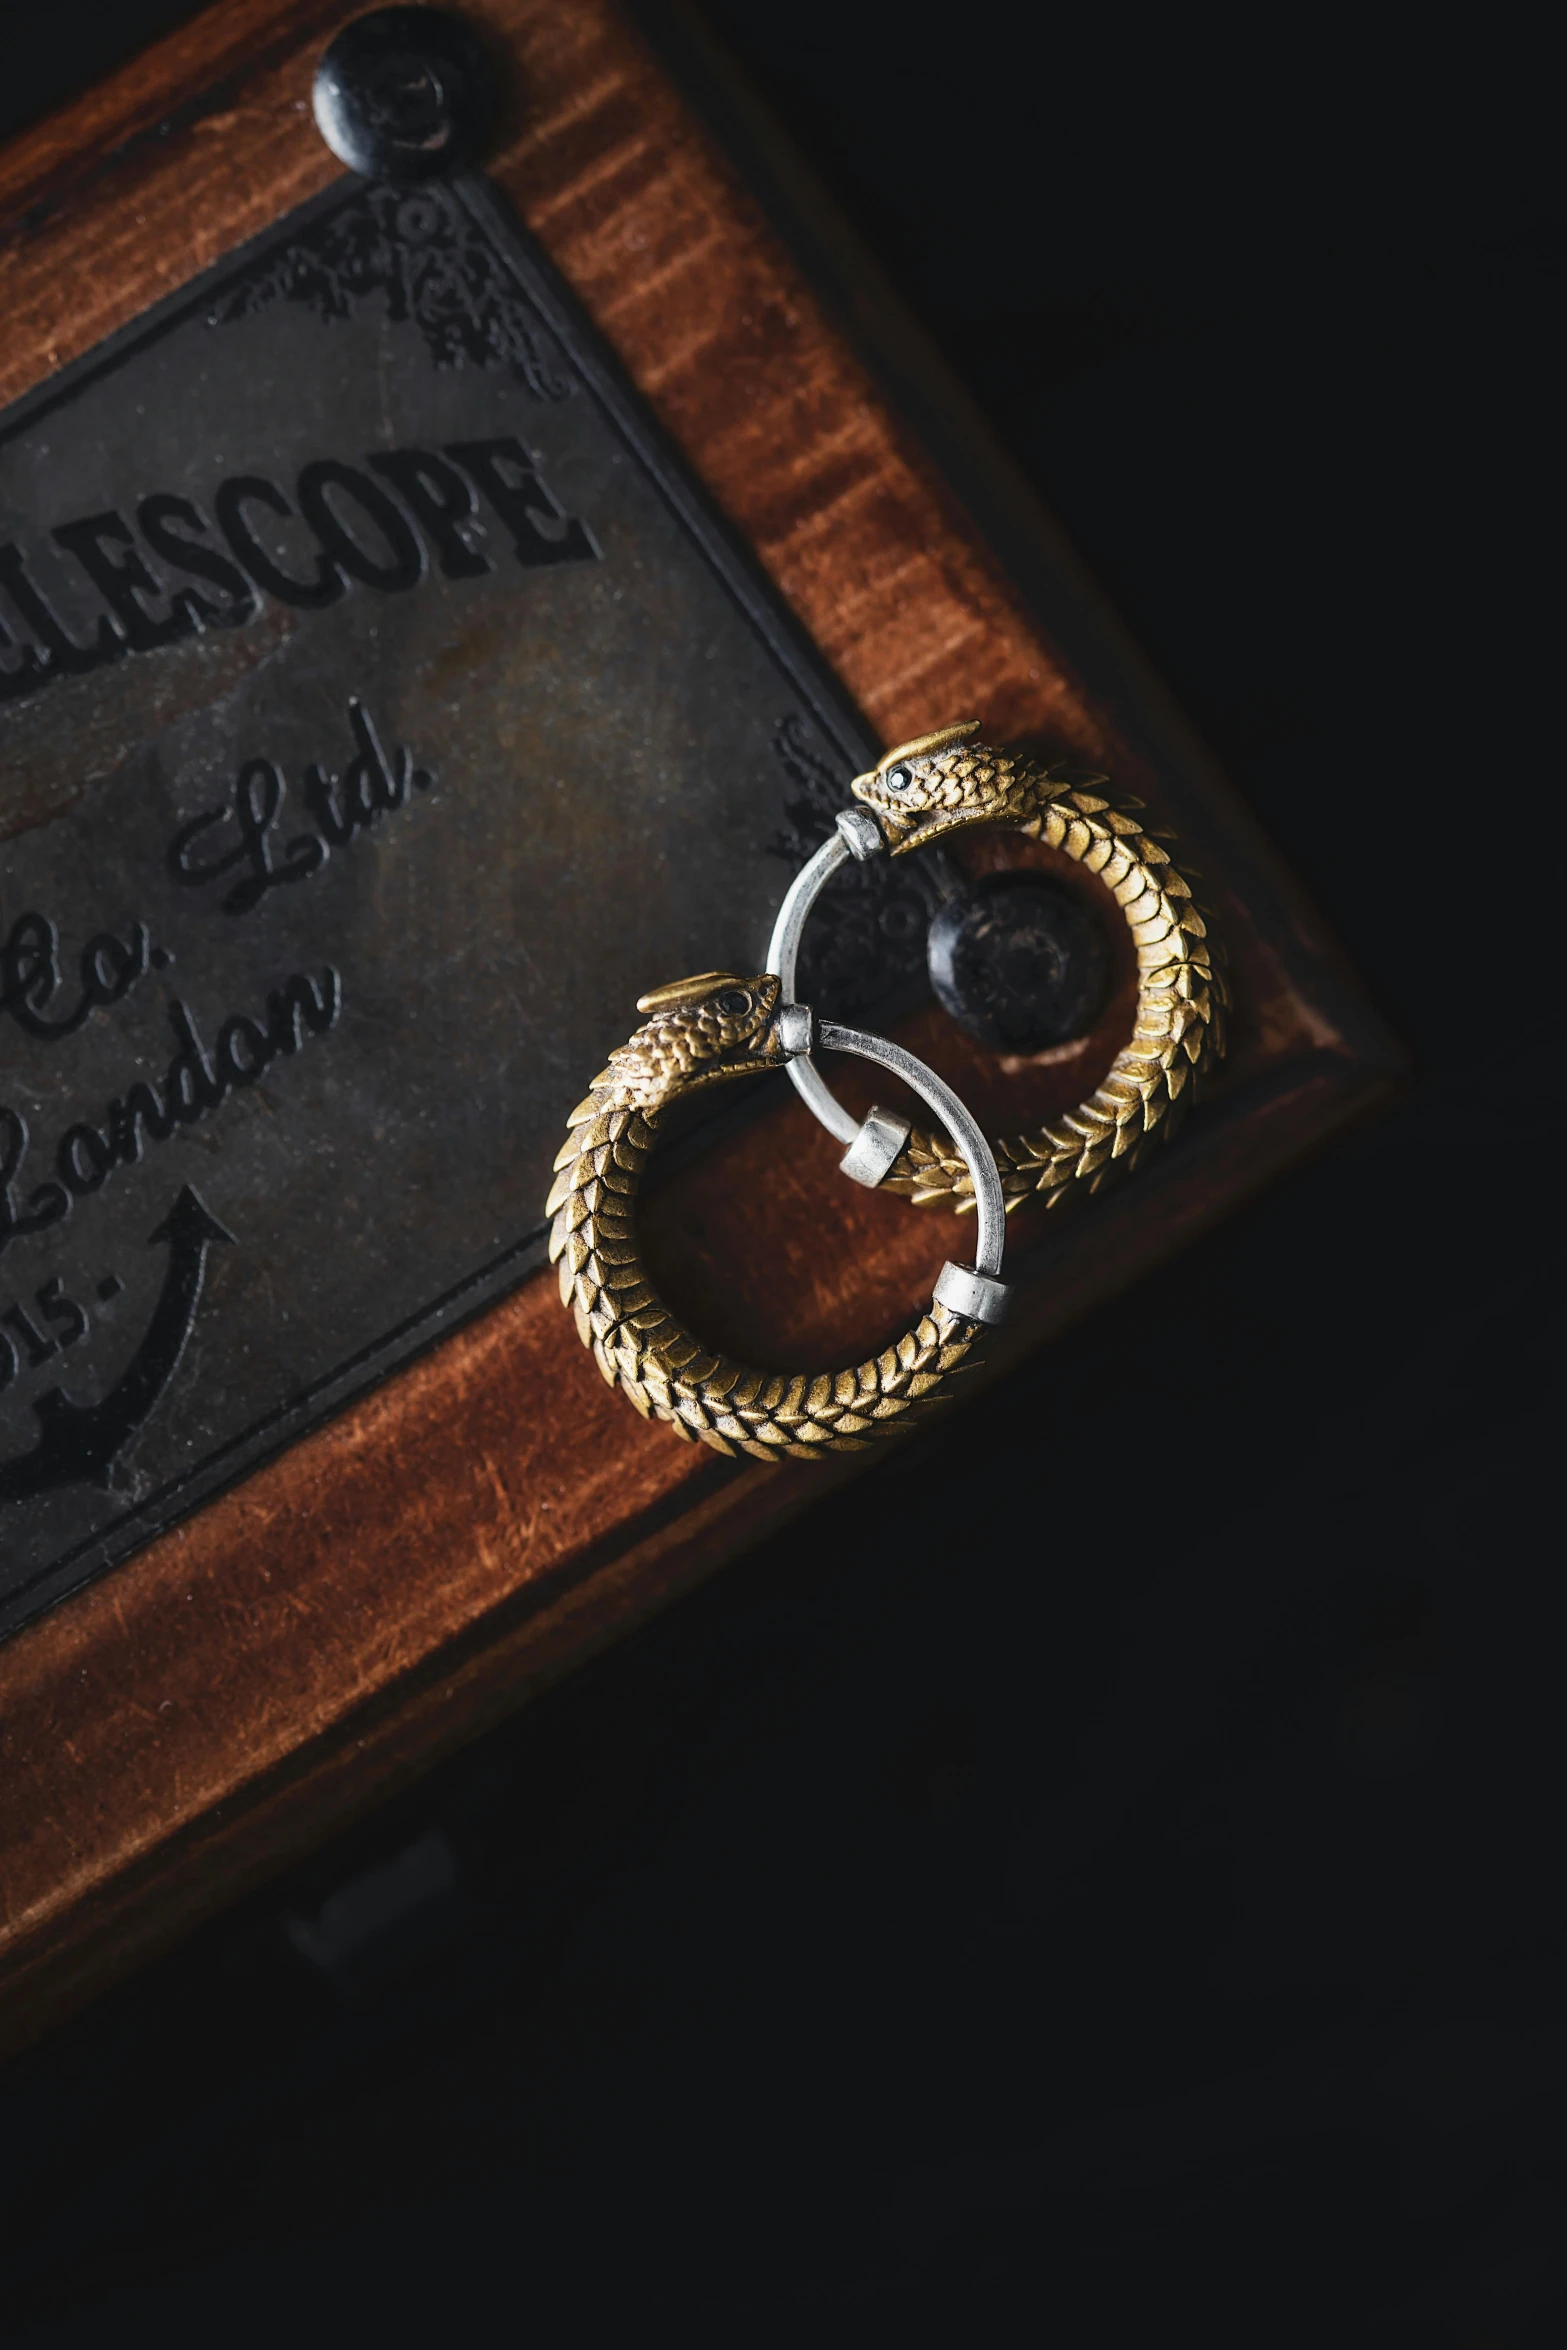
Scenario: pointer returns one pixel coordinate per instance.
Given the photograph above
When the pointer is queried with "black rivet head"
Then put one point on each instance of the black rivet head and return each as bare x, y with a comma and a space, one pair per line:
405, 94
1019, 961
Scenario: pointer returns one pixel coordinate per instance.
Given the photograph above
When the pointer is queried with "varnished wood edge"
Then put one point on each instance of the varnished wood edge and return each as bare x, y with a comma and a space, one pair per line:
949, 438
109, 135
471, 1684
539, 1634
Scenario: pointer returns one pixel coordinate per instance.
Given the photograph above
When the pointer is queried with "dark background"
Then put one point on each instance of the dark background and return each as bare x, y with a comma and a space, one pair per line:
1102, 1881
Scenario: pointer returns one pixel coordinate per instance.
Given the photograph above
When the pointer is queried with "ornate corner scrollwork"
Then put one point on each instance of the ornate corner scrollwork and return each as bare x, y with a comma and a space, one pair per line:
422, 255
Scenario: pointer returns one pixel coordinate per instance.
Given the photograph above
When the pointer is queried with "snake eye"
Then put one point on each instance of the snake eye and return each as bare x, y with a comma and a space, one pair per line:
899, 779
734, 1003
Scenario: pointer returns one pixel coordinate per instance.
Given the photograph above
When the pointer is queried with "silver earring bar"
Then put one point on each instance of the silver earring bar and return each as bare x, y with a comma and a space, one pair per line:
976, 1291
875, 1144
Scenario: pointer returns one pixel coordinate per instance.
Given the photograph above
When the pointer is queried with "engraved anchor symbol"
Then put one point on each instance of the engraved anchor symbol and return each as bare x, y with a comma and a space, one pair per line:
77, 1443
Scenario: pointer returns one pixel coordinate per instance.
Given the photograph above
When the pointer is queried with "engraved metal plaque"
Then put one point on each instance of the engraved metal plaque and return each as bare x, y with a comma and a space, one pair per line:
381, 710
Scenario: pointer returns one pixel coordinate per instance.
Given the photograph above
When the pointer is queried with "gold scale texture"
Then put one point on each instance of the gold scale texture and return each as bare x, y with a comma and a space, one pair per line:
917, 793
705, 1031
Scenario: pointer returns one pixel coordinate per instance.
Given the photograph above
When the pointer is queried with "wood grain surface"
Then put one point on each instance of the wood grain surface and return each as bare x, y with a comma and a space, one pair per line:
424, 1560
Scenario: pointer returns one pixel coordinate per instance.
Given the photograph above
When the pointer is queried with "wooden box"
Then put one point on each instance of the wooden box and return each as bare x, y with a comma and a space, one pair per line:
420, 1561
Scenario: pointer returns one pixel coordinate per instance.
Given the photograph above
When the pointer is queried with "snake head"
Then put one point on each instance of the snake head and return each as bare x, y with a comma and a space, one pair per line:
702, 1030
935, 784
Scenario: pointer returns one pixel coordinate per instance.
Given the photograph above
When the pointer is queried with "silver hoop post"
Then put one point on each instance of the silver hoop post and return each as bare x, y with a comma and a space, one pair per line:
875, 1143
783, 956
976, 1291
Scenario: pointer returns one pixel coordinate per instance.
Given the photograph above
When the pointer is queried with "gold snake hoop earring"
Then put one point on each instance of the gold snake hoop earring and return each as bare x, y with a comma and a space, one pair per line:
946, 782
704, 1031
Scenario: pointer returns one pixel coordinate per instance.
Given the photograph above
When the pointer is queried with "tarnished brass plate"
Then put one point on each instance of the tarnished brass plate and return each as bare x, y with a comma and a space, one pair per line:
381, 711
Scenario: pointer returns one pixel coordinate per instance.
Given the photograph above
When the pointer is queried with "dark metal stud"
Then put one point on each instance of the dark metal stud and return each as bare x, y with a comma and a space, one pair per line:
1019, 961
405, 94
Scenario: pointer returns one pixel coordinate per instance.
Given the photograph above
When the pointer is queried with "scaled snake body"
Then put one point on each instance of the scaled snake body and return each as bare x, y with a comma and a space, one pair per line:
942, 783
703, 1032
